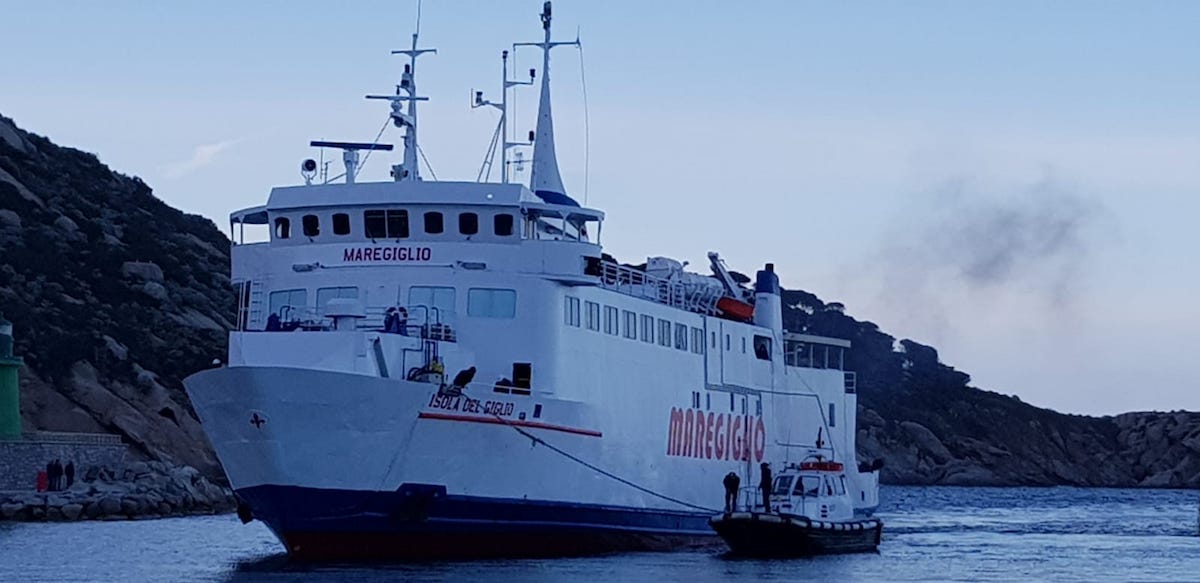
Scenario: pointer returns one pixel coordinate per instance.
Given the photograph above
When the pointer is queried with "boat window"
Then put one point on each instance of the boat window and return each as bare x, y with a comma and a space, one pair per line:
762, 347
783, 485
571, 312
491, 303
726, 342
502, 225
648, 329
808, 486
630, 324
311, 225
664, 332
681, 336
375, 224
832, 417
441, 298
610, 320
840, 485
743, 345
828, 486
283, 228
593, 316
697, 340
433, 223
714, 339
288, 304
341, 224
325, 294
468, 223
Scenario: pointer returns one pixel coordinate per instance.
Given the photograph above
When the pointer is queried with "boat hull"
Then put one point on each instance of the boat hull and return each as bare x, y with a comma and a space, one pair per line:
773, 535
422, 522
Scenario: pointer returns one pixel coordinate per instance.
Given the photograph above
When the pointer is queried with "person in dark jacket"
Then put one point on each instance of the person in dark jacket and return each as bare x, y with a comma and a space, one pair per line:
765, 485
70, 471
732, 481
50, 475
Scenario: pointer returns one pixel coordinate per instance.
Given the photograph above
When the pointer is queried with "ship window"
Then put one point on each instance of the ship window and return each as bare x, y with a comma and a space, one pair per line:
839, 486
828, 486
283, 228
288, 304
491, 303
714, 339
433, 223
468, 223
610, 320
440, 300
681, 336
502, 225
762, 347
648, 329
697, 340
783, 484
832, 417
397, 224
341, 224
593, 316
743, 345
664, 332
726, 342
312, 225
328, 293
630, 324
571, 312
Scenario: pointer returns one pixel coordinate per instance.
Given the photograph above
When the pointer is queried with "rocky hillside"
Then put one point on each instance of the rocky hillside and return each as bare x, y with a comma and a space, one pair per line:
115, 297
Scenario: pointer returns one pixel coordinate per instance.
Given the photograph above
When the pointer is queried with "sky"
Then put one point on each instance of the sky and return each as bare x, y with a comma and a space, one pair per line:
1015, 183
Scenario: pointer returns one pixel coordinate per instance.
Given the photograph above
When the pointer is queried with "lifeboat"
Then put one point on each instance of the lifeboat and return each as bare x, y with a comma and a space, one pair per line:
735, 309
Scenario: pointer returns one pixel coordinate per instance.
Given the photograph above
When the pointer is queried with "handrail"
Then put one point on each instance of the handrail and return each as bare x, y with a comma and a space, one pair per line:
639, 284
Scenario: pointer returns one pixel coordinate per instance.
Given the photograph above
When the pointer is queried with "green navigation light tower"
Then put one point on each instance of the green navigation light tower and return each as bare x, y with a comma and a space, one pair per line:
10, 387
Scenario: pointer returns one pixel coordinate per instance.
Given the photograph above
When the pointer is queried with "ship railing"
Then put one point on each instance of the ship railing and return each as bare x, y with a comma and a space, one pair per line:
639, 284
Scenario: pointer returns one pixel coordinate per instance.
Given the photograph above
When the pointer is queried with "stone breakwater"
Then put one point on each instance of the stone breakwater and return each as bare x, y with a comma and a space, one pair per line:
142, 490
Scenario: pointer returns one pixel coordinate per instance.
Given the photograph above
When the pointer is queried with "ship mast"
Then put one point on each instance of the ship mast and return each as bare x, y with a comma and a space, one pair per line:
545, 179
406, 92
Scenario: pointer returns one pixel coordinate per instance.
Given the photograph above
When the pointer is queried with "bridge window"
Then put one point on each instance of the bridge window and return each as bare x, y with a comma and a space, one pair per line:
312, 225
502, 225
664, 332
697, 340
386, 224
328, 293
341, 224
571, 311
610, 320
440, 301
630, 324
433, 223
681, 336
283, 228
491, 303
468, 223
593, 316
648, 329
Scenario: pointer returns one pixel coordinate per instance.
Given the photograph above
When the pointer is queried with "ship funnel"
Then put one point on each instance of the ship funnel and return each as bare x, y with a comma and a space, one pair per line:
768, 309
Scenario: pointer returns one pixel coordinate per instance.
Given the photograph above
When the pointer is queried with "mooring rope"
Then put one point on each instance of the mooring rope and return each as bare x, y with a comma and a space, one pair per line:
537, 440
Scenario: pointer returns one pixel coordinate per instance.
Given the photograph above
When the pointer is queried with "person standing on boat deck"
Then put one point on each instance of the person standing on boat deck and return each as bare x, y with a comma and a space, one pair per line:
402, 321
765, 485
732, 481
389, 320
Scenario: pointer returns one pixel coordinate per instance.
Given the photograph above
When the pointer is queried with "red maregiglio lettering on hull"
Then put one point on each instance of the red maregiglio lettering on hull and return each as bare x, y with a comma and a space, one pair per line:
386, 253
716, 436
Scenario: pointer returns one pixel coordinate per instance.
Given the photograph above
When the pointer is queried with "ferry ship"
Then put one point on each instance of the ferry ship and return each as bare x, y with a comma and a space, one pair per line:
438, 369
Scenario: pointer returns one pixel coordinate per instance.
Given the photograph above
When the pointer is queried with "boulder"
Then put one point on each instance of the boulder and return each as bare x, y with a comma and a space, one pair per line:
11, 510
144, 270
72, 511
109, 505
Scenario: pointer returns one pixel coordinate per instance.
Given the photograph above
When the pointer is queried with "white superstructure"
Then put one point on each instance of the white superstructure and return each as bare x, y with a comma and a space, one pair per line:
434, 368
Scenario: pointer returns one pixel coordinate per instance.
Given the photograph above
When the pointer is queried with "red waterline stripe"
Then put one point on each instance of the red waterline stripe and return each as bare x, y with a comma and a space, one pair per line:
494, 421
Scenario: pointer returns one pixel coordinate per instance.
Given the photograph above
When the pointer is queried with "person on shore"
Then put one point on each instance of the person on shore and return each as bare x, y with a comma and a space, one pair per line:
70, 471
50, 475
732, 481
765, 485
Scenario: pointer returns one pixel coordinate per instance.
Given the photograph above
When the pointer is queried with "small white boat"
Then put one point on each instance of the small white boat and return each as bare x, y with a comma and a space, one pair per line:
810, 513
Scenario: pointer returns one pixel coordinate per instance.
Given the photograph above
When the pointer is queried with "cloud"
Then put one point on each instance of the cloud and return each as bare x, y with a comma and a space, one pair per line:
202, 156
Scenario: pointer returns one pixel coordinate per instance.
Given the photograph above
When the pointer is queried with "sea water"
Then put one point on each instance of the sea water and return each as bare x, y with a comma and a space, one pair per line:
930, 534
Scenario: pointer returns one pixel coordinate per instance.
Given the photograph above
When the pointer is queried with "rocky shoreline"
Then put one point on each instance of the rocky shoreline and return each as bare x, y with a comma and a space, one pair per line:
142, 490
